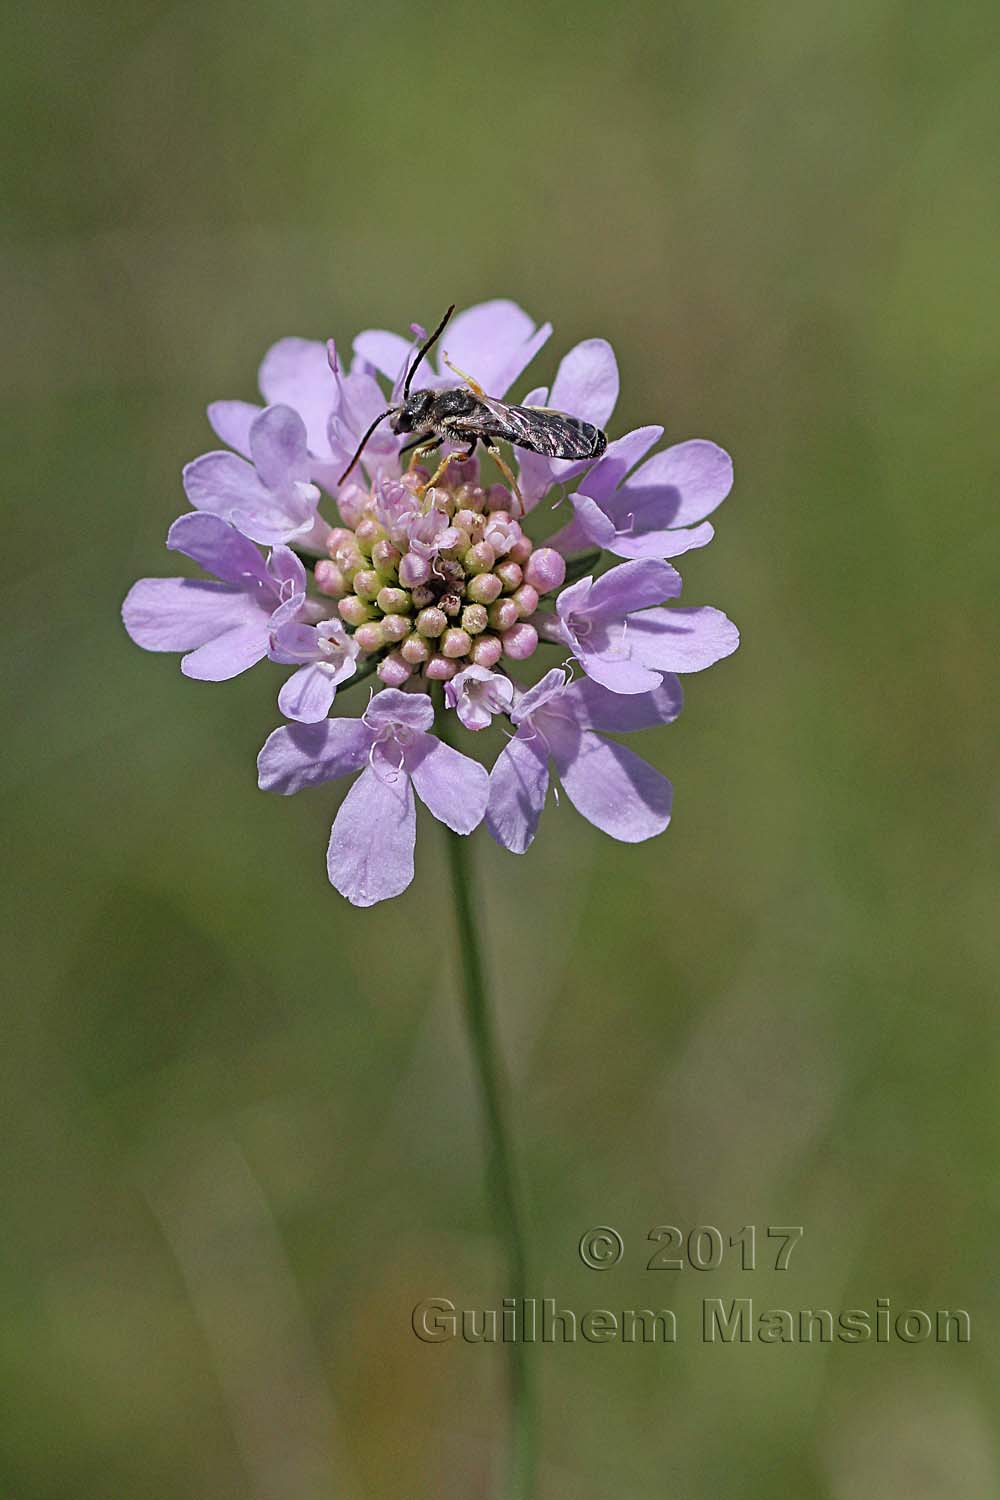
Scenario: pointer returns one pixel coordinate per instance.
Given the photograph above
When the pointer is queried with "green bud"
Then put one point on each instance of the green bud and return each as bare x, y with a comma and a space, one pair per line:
480, 558
474, 618
484, 589
367, 583
355, 611
367, 532
393, 601
385, 558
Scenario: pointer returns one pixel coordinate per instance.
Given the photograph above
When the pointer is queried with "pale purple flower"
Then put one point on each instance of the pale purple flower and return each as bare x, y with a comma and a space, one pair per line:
586, 386
395, 506
610, 785
501, 532
329, 656
270, 500
623, 640
477, 694
651, 512
370, 855
224, 626
431, 534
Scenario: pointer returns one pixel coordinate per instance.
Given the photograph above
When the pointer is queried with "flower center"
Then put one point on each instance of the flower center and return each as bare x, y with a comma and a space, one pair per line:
433, 580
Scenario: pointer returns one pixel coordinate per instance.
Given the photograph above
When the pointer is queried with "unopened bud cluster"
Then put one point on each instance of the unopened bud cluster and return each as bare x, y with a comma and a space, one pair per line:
436, 579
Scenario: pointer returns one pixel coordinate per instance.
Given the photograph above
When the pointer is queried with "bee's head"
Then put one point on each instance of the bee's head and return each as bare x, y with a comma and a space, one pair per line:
412, 415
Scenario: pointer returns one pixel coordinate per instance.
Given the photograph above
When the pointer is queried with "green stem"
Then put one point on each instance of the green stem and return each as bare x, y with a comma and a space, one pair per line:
502, 1176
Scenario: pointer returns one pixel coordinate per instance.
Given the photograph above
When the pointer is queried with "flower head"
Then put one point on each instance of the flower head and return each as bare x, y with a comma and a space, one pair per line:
452, 574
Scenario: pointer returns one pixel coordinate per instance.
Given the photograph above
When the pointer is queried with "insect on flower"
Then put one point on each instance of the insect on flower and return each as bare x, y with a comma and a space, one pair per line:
468, 415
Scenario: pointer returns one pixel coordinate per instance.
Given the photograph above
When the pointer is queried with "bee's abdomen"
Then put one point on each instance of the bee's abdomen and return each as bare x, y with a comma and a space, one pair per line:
555, 434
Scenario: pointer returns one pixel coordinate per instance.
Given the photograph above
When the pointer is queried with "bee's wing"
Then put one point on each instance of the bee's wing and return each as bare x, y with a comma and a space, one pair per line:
537, 428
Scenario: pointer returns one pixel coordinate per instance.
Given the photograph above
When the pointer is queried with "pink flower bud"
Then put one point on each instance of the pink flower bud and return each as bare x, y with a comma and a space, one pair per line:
351, 503
330, 579
519, 643
348, 558
393, 670
371, 636
503, 614
413, 570
486, 651
415, 478
440, 669
431, 622
397, 627
521, 550
415, 650
470, 497
546, 570
526, 599
455, 643
336, 537
501, 533
510, 575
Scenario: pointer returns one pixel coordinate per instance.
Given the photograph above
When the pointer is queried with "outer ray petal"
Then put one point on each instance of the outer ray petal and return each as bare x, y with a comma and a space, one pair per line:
452, 786
370, 854
518, 784
611, 786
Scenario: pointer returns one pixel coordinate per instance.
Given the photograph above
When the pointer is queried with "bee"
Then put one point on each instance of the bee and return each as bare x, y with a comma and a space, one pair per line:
466, 414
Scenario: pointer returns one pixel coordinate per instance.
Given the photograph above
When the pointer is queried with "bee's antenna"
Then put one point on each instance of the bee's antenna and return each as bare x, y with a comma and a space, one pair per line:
425, 349
361, 446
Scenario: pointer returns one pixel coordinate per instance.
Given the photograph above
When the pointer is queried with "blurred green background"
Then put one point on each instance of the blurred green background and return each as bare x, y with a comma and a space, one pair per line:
239, 1134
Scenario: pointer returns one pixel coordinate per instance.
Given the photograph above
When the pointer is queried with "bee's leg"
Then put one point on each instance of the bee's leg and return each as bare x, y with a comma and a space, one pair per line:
473, 385
420, 449
449, 458
497, 458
